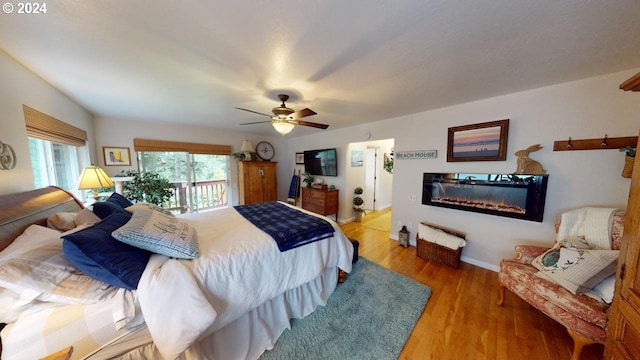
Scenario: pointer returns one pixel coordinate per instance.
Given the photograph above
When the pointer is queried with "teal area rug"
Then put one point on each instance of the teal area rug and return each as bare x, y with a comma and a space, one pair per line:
370, 316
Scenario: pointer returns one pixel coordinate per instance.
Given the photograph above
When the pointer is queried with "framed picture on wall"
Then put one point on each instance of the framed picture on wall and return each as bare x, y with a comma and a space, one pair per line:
299, 158
357, 158
478, 142
116, 156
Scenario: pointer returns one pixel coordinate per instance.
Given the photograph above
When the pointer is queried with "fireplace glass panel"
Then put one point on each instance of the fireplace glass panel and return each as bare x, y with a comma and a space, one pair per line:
512, 195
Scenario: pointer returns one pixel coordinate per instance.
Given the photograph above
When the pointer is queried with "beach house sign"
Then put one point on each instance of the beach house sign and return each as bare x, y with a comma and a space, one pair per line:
416, 154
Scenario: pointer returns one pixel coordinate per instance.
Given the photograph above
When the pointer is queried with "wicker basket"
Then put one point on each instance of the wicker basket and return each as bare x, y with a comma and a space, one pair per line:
627, 171
437, 253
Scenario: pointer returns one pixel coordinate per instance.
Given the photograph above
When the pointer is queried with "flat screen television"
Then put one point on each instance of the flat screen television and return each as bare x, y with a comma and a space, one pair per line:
321, 162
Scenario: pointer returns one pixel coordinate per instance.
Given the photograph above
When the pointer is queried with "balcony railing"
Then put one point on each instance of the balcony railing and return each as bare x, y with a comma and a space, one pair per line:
207, 194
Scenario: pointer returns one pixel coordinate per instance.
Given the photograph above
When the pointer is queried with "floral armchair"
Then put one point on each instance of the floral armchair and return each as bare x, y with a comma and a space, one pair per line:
585, 316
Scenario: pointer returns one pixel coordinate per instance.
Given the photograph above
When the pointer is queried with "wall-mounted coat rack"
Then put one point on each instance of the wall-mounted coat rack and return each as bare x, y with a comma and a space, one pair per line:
595, 144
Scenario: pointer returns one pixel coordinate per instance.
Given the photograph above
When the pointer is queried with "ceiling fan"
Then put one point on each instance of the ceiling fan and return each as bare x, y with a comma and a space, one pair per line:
284, 119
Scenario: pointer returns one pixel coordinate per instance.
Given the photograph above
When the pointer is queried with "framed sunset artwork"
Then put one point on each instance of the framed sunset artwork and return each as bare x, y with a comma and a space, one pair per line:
478, 142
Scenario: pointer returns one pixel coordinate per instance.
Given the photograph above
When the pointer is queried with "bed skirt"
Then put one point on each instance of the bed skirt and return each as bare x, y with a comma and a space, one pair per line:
245, 338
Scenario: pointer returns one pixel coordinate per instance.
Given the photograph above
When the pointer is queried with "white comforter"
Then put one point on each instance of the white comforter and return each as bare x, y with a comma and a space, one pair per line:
239, 268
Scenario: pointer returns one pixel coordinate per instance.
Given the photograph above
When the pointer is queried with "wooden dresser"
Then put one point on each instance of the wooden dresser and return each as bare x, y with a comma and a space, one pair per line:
324, 202
257, 181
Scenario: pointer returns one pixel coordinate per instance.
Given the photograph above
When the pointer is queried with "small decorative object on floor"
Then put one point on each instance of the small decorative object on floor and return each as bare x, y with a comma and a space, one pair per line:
358, 202
403, 236
439, 244
526, 165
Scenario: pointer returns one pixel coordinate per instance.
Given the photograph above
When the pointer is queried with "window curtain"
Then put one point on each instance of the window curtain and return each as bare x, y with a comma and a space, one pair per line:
42, 126
178, 146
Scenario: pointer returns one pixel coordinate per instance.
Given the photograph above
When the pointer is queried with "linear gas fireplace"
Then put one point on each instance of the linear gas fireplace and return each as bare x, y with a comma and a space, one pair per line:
512, 195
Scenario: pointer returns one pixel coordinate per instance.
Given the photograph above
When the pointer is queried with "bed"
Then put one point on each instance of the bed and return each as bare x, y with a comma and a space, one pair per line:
231, 302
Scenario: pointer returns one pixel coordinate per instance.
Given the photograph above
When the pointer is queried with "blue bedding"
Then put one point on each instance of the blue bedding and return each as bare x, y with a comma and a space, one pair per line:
289, 227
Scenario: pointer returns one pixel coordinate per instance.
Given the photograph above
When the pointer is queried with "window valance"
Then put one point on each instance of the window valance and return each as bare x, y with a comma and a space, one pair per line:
192, 148
42, 126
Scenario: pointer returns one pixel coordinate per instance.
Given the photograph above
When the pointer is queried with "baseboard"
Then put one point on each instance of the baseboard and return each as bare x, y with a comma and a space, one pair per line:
481, 264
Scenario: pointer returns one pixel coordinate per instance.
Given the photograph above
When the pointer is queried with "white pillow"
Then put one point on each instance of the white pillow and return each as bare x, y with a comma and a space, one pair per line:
606, 288
62, 221
86, 217
159, 233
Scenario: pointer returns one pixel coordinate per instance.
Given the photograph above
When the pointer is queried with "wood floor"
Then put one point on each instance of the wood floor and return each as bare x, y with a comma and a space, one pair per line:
461, 319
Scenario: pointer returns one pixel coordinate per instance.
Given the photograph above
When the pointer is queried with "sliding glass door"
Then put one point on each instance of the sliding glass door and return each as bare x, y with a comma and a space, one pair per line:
200, 180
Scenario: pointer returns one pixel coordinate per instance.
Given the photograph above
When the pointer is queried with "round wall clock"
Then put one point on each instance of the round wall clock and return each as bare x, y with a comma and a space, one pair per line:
265, 150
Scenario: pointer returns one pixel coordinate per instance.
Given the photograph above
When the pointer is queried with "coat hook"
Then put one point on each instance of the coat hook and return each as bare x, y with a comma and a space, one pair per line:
569, 143
604, 141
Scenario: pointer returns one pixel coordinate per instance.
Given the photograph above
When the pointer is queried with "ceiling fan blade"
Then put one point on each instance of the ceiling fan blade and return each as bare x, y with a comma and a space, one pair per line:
256, 122
311, 124
255, 112
302, 113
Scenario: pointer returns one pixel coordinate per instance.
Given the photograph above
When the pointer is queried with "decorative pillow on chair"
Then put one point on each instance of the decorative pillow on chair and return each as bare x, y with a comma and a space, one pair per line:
94, 251
113, 203
159, 233
577, 270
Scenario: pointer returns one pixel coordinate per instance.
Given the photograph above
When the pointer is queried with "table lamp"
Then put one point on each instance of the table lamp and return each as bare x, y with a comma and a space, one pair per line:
94, 178
247, 148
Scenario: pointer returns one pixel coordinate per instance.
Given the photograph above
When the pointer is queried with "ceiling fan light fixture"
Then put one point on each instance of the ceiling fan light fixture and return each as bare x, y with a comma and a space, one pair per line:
283, 127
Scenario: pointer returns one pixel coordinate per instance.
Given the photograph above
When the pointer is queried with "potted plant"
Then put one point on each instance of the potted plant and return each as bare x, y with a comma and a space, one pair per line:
147, 187
358, 202
628, 161
388, 162
307, 179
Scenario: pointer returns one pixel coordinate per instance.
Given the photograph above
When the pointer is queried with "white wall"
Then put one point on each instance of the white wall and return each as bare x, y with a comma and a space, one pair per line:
584, 109
120, 132
20, 86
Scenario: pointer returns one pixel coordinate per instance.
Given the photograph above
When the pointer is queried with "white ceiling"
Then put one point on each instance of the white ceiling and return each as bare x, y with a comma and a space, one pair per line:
352, 61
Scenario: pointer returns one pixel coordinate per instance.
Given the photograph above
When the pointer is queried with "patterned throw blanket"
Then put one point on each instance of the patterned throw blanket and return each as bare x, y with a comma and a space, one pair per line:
290, 228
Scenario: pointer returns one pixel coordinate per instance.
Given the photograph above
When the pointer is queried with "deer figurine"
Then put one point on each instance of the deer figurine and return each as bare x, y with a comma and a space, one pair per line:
526, 165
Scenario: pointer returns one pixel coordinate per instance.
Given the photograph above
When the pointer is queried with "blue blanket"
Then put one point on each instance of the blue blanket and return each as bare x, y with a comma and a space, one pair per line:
289, 227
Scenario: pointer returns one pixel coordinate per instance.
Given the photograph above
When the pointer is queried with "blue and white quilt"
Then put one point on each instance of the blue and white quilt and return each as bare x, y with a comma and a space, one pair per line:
289, 227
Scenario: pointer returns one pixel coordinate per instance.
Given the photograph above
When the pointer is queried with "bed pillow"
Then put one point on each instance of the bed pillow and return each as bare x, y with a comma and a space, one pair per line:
577, 270
45, 274
131, 209
159, 233
86, 217
113, 203
120, 200
62, 221
94, 251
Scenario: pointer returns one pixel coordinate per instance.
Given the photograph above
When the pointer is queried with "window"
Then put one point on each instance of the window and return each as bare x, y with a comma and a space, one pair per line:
53, 164
55, 148
198, 171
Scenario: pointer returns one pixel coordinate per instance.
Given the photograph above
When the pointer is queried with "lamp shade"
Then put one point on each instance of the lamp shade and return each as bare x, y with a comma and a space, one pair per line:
247, 146
283, 127
93, 177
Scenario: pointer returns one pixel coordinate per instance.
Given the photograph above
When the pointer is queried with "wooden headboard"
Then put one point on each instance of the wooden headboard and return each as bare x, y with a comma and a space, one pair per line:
19, 210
